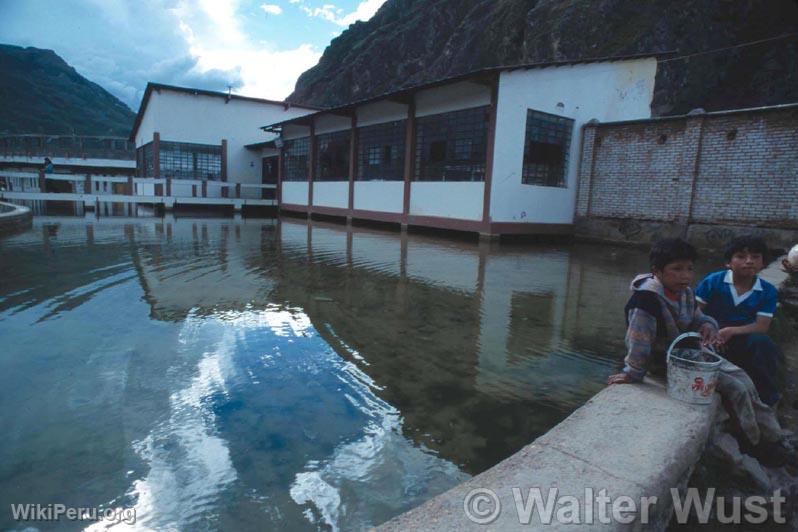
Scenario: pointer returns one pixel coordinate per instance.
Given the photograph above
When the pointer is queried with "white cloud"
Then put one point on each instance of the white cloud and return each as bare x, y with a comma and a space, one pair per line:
192, 43
271, 9
329, 12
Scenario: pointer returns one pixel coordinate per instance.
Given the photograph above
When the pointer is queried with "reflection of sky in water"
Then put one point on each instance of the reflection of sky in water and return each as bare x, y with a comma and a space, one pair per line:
272, 412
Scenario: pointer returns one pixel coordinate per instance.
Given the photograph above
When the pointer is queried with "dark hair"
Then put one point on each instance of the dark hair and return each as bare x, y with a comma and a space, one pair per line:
668, 250
753, 244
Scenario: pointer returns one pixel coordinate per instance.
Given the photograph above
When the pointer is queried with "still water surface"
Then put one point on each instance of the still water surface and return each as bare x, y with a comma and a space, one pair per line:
247, 375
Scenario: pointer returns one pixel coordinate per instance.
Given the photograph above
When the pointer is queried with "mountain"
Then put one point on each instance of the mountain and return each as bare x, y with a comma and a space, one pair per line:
41, 93
409, 42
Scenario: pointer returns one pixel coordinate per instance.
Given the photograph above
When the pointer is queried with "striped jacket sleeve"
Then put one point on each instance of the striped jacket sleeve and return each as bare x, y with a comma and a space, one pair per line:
640, 335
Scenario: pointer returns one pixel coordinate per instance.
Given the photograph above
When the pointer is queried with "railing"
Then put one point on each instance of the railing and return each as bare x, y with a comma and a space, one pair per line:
130, 186
69, 146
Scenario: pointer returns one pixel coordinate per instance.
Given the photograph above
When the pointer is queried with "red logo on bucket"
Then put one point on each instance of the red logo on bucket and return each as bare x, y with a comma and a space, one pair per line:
703, 389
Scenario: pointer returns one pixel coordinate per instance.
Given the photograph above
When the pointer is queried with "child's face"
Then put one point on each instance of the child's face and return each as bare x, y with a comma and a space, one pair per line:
676, 276
745, 263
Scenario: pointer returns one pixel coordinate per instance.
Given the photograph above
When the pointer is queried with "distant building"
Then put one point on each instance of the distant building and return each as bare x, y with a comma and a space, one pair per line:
495, 151
186, 133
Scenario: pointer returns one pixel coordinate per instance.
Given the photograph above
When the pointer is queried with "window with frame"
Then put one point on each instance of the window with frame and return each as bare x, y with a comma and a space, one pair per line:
452, 146
381, 151
332, 156
295, 159
184, 160
546, 147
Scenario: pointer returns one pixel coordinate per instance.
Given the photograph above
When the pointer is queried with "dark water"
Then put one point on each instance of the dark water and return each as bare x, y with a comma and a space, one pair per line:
251, 375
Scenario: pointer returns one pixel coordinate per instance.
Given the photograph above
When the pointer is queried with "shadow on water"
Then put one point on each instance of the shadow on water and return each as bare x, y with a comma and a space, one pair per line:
251, 373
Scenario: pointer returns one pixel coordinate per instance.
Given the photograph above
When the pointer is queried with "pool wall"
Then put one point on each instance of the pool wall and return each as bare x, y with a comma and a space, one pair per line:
14, 218
630, 440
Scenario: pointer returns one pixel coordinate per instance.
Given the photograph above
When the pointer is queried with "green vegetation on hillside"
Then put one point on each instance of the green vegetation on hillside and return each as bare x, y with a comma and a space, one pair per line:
40, 93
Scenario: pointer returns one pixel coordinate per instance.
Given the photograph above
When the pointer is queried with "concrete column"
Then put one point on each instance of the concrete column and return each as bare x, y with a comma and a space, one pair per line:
42, 181
312, 169
168, 186
238, 190
279, 191
130, 186
204, 188
585, 172
694, 134
410, 158
352, 164
156, 154
87, 184
494, 96
224, 160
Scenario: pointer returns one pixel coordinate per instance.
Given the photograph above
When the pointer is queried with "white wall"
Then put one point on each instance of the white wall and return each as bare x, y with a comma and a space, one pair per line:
380, 112
331, 194
184, 117
461, 200
454, 97
380, 196
609, 91
295, 192
331, 123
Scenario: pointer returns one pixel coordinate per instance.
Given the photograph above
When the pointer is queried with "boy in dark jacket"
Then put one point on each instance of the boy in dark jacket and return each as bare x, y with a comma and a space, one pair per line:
661, 307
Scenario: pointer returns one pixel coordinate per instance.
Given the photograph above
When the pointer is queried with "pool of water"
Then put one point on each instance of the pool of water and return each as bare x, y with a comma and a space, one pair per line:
259, 374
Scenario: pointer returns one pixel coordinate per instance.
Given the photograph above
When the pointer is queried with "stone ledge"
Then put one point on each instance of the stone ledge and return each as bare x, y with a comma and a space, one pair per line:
631, 440
14, 218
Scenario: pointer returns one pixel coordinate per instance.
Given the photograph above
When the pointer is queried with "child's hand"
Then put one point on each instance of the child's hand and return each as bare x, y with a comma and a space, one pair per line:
709, 334
619, 378
724, 335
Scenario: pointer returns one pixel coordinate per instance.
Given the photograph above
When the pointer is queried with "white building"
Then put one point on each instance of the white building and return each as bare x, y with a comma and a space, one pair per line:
494, 151
186, 133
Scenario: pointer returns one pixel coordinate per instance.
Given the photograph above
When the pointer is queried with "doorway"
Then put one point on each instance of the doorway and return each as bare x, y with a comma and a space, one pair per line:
269, 176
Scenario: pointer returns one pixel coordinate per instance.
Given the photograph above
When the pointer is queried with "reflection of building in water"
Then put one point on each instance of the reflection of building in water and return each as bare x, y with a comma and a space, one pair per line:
481, 348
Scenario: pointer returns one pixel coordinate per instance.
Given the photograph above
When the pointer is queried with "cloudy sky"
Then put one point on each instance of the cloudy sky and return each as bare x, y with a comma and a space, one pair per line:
258, 47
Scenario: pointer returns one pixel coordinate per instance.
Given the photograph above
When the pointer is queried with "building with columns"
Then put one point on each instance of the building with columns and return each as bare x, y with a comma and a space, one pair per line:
194, 134
495, 151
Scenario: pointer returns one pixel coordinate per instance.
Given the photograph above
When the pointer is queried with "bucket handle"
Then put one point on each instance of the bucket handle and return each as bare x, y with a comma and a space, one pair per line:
689, 335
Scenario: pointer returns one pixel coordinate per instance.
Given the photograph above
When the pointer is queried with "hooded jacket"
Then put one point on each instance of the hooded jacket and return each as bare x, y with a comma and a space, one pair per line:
653, 321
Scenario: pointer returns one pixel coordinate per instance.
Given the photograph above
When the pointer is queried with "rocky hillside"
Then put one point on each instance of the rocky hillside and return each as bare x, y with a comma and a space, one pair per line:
40, 93
414, 41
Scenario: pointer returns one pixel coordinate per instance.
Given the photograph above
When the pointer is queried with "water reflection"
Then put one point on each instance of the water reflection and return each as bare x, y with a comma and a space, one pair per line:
254, 374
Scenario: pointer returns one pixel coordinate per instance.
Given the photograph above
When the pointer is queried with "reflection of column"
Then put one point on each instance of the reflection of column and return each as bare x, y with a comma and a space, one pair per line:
169, 232
46, 240
205, 234
90, 234
349, 247
225, 234
310, 242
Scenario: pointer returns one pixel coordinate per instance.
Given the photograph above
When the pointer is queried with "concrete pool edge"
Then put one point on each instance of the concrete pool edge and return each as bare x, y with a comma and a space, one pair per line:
14, 218
630, 440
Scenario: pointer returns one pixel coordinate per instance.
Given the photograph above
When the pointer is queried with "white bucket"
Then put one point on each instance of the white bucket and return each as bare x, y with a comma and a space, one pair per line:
692, 373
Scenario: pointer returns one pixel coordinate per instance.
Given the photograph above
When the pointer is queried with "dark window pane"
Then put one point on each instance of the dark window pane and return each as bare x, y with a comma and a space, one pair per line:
295, 159
380, 152
182, 160
332, 156
452, 146
548, 139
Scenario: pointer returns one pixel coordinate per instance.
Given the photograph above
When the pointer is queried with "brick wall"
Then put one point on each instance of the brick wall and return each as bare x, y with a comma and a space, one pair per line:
737, 167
